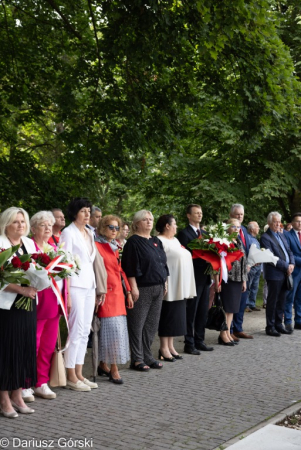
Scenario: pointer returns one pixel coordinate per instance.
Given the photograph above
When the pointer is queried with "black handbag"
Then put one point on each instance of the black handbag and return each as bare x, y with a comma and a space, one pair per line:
289, 282
216, 319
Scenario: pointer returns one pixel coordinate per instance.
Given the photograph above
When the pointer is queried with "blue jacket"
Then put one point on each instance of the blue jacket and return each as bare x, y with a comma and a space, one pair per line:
295, 247
278, 272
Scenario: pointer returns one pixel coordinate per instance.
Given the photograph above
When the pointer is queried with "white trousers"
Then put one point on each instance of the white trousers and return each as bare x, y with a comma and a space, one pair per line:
80, 318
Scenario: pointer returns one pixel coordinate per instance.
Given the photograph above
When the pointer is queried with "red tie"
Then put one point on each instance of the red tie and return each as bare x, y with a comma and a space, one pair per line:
299, 234
198, 232
242, 236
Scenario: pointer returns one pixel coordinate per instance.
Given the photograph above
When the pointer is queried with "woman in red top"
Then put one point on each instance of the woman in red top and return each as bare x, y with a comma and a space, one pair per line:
114, 342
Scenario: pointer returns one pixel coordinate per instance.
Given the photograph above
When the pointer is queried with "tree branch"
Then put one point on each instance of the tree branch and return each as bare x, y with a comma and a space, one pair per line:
64, 18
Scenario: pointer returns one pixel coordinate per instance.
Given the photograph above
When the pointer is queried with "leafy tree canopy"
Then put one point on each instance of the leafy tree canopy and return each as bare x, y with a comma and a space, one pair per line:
156, 103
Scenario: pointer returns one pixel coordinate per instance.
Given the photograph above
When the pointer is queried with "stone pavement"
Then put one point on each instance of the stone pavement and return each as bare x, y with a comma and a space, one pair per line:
195, 404
270, 437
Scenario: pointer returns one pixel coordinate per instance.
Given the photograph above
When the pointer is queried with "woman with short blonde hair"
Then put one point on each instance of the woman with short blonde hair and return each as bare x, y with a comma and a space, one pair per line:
144, 262
140, 215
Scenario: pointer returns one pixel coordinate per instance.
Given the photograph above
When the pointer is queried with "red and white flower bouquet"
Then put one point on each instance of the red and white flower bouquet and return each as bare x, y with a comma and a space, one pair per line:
216, 247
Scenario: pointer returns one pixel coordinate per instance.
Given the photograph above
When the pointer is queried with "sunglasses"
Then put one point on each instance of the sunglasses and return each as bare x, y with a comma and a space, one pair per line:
112, 227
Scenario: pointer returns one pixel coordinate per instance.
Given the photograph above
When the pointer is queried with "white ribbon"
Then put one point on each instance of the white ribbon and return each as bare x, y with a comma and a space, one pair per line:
224, 267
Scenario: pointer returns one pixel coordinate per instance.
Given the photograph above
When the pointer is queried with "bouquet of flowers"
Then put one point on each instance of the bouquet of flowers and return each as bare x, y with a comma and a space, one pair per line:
13, 271
217, 248
59, 263
45, 269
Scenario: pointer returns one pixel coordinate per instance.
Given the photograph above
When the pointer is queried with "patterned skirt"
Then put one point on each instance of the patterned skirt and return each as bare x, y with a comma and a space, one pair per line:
114, 340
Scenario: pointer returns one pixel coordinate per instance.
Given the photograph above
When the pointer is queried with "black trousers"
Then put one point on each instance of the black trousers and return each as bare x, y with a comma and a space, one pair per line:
196, 315
275, 303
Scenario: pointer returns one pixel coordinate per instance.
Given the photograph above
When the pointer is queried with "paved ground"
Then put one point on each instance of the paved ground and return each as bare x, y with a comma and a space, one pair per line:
195, 404
270, 437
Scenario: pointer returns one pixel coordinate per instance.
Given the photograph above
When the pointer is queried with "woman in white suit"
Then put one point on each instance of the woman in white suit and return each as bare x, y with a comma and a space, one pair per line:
17, 326
78, 239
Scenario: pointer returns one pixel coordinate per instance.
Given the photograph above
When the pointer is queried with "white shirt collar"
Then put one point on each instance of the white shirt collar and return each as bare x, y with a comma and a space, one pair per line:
194, 228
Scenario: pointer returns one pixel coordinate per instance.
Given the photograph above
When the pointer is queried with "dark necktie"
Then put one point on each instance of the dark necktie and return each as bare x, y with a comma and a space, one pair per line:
198, 232
299, 234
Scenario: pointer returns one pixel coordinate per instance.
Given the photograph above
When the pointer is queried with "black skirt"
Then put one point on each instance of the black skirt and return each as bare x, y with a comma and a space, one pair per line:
18, 367
230, 295
173, 319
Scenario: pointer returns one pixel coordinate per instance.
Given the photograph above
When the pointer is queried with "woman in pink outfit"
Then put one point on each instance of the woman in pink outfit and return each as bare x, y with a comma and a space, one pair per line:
48, 310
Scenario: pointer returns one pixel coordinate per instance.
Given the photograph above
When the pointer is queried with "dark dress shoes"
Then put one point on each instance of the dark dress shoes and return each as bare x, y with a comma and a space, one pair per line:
283, 330
272, 332
202, 346
289, 327
191, 351
297, 326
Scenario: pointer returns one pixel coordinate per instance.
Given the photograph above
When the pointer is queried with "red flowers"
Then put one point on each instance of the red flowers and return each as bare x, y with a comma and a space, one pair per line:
25, 266
16, 262
42, 258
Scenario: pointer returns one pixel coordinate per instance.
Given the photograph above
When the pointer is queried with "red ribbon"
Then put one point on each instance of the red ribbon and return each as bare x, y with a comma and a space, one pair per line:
51, 266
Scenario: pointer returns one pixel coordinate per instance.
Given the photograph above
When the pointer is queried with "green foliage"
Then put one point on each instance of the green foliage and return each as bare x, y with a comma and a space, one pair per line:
151, 104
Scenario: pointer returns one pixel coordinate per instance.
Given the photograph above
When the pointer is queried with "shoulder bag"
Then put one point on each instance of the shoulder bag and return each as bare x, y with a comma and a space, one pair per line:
57, 376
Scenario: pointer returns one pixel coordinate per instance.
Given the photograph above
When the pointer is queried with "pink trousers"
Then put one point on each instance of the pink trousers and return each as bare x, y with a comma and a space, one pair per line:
47, 330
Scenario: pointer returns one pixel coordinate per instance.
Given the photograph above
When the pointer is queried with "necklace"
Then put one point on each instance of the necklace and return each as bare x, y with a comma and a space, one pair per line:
20, 250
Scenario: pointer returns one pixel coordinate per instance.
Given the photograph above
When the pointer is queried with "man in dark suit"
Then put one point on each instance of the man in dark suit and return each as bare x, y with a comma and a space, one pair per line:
293, 297
197, 307
237, 212
276, 242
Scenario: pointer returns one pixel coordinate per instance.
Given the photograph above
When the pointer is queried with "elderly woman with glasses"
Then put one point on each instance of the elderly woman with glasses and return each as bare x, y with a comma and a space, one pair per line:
113, 339
231, 291
48, 309
145, 264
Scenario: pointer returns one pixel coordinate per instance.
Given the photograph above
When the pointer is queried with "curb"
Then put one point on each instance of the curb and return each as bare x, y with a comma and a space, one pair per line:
274, 420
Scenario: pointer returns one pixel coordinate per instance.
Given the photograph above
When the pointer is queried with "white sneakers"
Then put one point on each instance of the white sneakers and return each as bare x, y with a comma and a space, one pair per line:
27, 395
44, 391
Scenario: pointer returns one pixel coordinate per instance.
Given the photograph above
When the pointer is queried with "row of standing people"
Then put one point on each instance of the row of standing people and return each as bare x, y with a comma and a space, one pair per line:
25, 356
147, 263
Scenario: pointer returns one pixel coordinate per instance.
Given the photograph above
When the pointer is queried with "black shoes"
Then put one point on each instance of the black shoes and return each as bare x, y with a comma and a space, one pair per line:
191, 351
161, 357
115, 380
202, 346
228, 344
297, 326
289, 327
101, 372
177, 356
283, 330
272, 332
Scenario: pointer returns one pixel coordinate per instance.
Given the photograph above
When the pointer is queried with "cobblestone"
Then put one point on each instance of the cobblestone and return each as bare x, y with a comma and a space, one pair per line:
195, 404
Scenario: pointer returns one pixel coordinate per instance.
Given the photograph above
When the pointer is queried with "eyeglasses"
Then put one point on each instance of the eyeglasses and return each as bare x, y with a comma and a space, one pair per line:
112, 227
